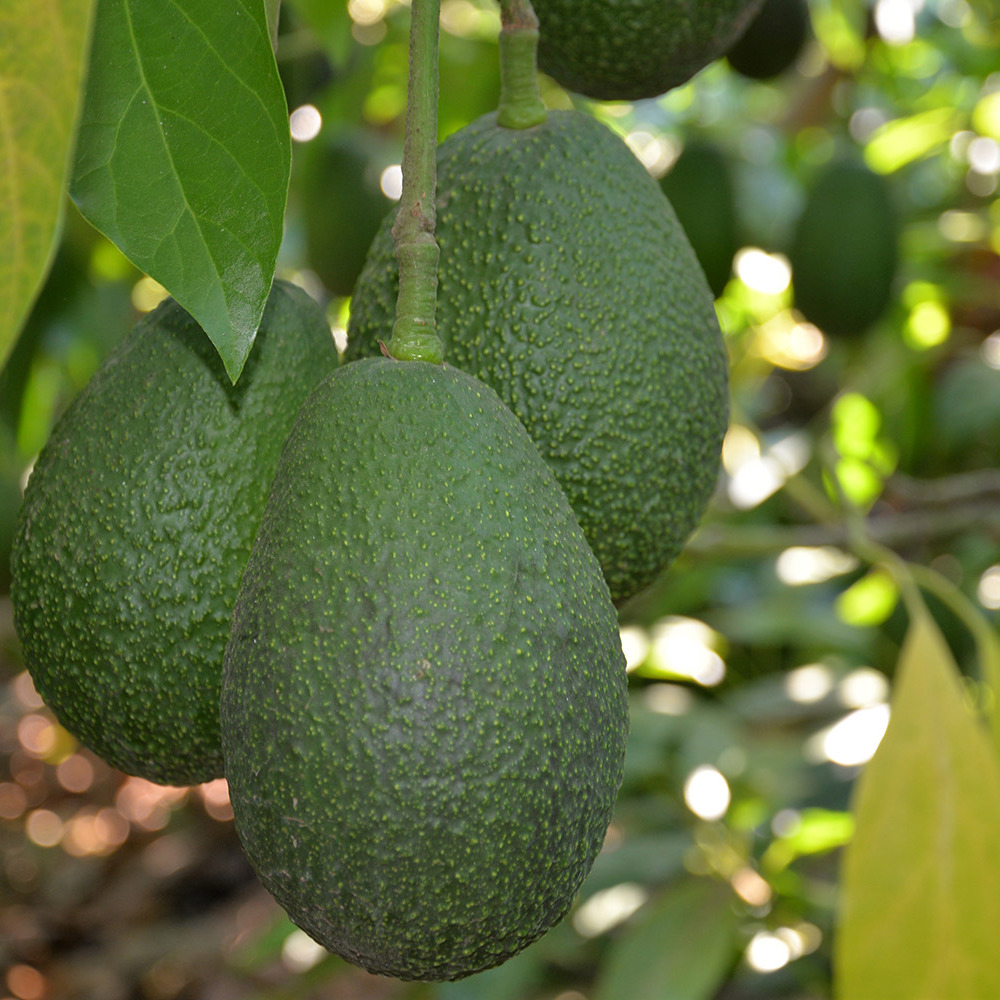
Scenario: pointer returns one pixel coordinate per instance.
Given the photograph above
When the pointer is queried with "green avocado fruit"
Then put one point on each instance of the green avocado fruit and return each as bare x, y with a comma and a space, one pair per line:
567, 284
844, 249
137, 523
424, 705
631, 49
773, 41
701, 189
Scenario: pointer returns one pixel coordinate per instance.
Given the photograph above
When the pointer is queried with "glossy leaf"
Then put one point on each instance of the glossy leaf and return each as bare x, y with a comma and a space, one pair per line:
921, 887
183, 155
680, 948
43, 51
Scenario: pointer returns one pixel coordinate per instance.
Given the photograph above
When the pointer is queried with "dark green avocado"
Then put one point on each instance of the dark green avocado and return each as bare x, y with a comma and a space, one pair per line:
630, 49
136, 526
773, 41
567, 284
424, 699
702, 191
845, 250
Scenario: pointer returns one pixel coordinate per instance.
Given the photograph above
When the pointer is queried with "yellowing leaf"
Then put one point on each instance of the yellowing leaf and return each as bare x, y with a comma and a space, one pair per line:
921, 880
42, 59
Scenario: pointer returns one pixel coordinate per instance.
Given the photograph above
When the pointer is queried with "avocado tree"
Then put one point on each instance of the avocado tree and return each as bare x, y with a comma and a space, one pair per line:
218, 173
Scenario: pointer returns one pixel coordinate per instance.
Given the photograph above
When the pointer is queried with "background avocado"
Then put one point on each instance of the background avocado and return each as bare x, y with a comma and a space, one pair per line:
630, 49
424, 702
844, 249
567, 284
701, 189
136, 525
342, 174
773, 41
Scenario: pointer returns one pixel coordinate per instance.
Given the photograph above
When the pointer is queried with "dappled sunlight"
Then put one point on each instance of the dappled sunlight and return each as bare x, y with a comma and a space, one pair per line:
305, 123
706, 793
851, 741
608, 908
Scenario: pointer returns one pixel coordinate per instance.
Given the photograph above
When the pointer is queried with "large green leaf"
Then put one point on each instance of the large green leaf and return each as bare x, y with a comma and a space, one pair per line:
183, 155
43, 50
680, 948
921, 882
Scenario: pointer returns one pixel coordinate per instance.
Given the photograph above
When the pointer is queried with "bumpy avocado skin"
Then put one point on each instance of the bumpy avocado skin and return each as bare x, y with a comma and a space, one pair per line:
424, 697
567, 284
136, 525
844, 250
631, 49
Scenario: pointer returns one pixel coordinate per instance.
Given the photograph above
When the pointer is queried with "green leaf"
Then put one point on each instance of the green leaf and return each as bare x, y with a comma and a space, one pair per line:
42, 61
921, 884
183, 155
681, 947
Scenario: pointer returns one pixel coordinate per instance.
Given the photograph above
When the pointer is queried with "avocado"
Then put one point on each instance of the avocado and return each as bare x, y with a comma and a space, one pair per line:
424, 703
844, 249
137, 522
338, 196
701, 189
567, 284
630, 49
773, 41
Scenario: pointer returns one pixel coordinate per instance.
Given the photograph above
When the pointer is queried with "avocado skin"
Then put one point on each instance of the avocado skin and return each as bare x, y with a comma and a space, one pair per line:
136, 525
773, 41
424, 698
630, 49
567, 284
844, 249
701, 190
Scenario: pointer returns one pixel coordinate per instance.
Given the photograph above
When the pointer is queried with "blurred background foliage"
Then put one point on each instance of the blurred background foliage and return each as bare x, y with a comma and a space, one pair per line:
838, 178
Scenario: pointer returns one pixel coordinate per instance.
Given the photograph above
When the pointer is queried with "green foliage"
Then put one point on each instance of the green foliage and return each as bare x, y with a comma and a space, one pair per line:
182, 156
463, 671
42, 62
576, 296
136, 527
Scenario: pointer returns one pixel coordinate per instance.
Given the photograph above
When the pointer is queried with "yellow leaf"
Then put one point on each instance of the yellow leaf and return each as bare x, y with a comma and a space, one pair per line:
921, 879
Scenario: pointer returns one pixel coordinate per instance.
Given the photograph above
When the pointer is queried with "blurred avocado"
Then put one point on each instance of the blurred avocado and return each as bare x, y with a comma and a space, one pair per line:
845, 249
341, 203
774, 40
701, 189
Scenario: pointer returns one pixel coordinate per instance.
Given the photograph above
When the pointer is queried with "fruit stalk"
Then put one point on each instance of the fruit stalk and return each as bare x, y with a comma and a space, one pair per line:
520, 102
414, 337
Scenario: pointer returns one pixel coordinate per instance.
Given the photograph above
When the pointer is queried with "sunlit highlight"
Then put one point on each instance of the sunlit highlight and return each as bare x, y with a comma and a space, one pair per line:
635, 646
26, 982
706, 793
391, 182
305, 123
895, 20
984, 155
147, 805
300, 952
752, 482
668, 699
990, 350
75, 774
988, 590
789, 343
961, 227
809, 683
928, 325
767, 952
767, 273
367, 12
44, 828
608, 908
683, 647
864, 687
751, 887
215, 797
853, 740
801, 565
655, 152
147, 294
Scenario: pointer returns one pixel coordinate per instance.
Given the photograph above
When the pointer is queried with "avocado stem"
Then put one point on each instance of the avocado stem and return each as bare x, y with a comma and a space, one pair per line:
414, 336
520, 101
